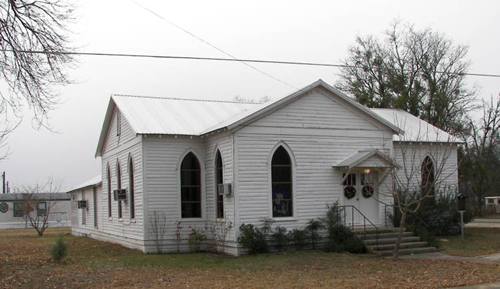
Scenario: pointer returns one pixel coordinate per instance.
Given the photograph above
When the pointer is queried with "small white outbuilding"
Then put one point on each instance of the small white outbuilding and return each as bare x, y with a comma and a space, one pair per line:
170, 165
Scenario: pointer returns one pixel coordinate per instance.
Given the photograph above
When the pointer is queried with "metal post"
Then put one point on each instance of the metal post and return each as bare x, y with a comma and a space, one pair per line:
3, 182
462, 223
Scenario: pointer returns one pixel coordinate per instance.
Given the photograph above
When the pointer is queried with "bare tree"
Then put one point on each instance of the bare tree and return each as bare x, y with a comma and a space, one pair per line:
423, 171
32, 25
37, 211
419, 71
480, 158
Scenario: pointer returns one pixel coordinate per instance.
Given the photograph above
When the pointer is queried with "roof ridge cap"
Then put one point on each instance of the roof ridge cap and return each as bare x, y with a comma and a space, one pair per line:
187, 99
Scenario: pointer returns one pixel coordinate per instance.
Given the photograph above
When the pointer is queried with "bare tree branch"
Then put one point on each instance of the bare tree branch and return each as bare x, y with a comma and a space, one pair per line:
29, 78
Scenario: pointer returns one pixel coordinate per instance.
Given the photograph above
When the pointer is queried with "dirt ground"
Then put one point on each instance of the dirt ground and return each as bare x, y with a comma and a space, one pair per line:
25, 263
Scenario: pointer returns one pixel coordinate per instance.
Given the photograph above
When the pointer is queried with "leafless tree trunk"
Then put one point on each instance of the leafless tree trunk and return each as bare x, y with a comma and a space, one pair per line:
422, 172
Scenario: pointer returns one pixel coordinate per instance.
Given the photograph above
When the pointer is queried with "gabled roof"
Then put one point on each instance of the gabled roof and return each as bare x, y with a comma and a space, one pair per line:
416, 129
196, 117
97, 180
359, 157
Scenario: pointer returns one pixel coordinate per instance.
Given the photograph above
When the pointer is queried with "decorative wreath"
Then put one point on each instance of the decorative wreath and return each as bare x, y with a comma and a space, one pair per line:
349, 192
367, 191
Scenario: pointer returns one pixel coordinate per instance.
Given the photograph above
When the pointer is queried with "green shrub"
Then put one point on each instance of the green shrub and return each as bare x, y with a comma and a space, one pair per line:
59, 250
341, 238
438, 217
195, 239
313, 227
298, 237
280, 238
253, 239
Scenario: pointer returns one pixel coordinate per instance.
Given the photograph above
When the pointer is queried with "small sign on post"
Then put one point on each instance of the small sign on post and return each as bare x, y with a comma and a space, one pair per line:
461, 209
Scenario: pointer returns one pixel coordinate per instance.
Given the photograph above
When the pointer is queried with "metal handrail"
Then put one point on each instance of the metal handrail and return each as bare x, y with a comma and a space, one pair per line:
365, 220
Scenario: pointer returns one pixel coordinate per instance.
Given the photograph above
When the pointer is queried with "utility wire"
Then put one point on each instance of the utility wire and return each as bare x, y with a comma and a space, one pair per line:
243, 60
210, 44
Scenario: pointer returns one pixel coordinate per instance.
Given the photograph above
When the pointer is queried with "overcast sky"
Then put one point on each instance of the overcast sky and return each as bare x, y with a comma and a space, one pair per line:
317, 31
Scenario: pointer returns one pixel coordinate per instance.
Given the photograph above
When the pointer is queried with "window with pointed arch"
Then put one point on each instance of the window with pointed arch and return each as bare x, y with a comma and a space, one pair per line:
131, 187
219, 172
119, 187
282, 183
108, 176
190, 187
428, 176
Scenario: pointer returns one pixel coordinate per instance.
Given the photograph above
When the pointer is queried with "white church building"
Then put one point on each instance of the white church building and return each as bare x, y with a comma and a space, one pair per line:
193, 163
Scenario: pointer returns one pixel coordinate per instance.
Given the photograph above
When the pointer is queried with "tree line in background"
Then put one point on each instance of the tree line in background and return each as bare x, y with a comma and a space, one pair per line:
423, 73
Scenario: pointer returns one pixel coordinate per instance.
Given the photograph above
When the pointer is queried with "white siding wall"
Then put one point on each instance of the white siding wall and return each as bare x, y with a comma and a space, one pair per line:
410, 157
320, 132
223, 143
163, 157
78, 214
162, 160
126, 231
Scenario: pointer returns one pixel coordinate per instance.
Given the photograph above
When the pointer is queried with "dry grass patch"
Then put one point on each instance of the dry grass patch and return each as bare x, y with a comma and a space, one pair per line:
94, 264
477, 242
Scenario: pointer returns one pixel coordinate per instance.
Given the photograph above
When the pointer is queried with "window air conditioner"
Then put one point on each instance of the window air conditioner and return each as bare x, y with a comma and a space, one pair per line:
120, 195
82, 204
225, 189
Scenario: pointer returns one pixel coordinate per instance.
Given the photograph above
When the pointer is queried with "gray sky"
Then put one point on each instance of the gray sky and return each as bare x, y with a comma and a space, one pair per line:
318, 31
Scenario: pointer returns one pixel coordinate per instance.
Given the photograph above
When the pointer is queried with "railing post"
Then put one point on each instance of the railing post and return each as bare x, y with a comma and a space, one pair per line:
352, 218
364, 226
345, 219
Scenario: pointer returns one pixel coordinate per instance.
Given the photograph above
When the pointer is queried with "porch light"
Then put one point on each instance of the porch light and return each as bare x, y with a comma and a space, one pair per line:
367, 171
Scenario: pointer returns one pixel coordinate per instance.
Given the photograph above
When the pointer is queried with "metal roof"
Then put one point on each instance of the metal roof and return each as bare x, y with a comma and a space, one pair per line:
92, 182
416, 129
360, 156
196, 117
177, 116
36, 196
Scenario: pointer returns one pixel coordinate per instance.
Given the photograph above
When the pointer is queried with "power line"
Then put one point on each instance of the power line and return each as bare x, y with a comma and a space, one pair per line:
210, 44
244, 60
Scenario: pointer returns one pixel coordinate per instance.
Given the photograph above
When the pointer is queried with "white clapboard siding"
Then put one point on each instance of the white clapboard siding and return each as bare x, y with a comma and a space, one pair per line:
324, 112
410, 156
320, 132
162, 160
223, 143
112, 140
126, 231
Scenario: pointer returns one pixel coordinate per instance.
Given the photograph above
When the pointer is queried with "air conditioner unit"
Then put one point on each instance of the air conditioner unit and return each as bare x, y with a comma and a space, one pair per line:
225, 189
120, 195
82, 204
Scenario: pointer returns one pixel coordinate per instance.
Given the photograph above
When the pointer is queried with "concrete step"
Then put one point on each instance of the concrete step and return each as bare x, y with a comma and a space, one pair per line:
391, 246
371, 242
370, 236
406, 251
361, 230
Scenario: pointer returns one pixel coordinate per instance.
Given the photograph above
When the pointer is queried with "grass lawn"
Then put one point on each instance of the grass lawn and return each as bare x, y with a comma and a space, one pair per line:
477, 242
25, 263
